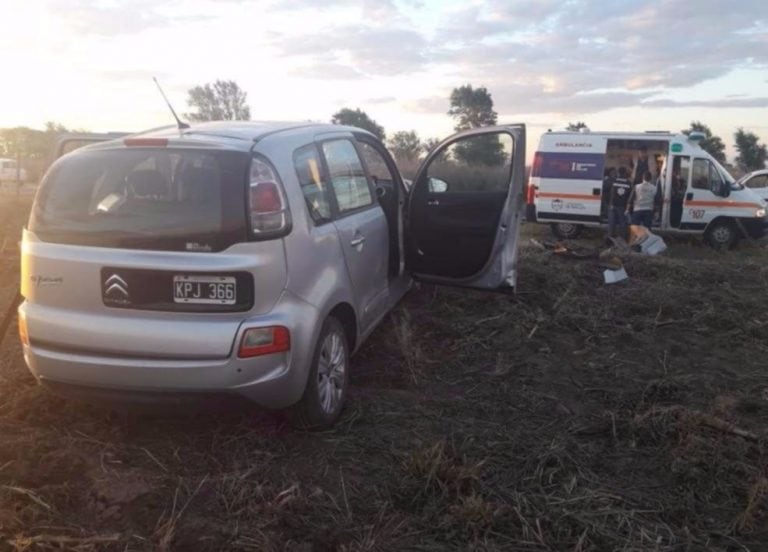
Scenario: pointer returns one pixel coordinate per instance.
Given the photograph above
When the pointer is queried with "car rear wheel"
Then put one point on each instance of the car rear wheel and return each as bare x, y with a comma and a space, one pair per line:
323, 398
565, 230
722, 235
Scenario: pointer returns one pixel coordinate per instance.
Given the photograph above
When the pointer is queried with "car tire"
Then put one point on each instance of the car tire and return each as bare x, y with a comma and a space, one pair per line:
326, 390
566, 230
722, 235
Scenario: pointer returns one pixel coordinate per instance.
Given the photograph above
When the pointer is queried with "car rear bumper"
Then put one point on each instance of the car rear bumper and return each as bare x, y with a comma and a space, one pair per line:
276, 380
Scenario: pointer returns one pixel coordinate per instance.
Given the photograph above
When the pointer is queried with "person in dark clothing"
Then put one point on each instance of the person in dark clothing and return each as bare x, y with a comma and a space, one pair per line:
617, 205
641, 167
610, 176
658, 200
679, 186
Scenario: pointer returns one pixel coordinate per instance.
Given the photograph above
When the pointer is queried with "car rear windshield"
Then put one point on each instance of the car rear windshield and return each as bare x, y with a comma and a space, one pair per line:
165, 199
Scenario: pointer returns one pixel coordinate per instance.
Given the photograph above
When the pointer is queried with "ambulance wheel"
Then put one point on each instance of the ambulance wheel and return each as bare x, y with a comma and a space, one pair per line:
722, 235
565, 230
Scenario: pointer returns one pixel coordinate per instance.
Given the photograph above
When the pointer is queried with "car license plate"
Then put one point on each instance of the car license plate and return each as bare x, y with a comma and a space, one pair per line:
205, 290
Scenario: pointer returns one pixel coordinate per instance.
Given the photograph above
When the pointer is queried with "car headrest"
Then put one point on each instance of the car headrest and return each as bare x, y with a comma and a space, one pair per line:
146, 183
199, 183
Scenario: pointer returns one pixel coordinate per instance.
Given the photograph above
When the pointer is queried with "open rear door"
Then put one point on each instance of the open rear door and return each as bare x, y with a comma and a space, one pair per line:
465, 209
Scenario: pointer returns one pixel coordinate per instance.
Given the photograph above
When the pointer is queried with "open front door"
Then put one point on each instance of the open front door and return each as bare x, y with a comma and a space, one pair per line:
465, 209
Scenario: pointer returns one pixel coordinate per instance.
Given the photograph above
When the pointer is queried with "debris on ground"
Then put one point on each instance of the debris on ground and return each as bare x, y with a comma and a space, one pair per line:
646, 242
611, 276
568, 416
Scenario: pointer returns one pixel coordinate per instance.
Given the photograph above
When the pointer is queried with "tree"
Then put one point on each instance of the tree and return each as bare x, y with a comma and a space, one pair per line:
577, 126
430, 144
752, 155
711, 144
472, 107
218, 101
405, 145
360, 119
32, 148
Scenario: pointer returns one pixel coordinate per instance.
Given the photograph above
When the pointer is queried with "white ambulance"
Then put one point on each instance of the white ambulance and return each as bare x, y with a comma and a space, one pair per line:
697, 195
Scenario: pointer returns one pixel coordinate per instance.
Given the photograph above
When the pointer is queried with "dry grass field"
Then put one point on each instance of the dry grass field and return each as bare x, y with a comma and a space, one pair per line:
571, 416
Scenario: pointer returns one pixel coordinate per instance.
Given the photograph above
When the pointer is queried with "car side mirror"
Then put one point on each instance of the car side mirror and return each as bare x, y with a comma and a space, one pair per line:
722, 189
435, 185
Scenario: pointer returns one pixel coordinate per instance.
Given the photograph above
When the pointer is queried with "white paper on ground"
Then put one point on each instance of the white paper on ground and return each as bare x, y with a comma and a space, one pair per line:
652, 245
613, 276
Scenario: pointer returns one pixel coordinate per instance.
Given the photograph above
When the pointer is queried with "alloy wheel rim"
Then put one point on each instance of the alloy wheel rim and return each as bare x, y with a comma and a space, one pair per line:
330, 372
567, 228
722, 234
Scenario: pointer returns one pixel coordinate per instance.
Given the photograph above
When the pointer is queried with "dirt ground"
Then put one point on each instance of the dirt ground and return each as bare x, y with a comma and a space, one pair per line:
571, 416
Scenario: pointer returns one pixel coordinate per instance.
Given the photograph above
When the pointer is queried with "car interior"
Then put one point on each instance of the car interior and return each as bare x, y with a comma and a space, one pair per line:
456, 204
387, 193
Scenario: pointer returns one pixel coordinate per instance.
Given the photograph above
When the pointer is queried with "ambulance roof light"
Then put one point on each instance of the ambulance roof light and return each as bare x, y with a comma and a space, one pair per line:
696, 136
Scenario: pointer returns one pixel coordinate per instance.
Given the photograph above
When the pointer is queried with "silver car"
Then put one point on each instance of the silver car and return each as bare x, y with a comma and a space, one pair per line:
251, 258
757, 181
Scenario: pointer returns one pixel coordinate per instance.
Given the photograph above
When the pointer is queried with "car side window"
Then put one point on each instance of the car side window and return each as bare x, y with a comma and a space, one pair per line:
350, 185
475, 163
377, 167
759, 181
306, 161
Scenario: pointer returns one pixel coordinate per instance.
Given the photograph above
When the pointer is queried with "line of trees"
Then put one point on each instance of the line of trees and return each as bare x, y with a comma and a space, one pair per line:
470, 107
32, 148
473, 107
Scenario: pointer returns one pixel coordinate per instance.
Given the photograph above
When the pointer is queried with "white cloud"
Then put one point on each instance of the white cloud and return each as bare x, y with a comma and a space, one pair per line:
541, 60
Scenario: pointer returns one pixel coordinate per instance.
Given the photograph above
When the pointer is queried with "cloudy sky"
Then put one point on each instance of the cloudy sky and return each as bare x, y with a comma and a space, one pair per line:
618, 65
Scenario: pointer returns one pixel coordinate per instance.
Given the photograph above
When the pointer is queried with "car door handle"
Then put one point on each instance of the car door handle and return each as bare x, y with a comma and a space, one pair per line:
596, 191
357, 241
688, 197
433, 202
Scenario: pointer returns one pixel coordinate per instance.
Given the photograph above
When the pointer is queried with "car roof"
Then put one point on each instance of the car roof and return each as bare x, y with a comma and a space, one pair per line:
238, 135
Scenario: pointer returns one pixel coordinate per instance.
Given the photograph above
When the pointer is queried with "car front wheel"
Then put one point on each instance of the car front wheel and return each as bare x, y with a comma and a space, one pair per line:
722, 235
323, 398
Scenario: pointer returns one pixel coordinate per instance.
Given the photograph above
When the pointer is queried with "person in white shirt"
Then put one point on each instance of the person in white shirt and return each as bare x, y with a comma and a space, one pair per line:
641, 201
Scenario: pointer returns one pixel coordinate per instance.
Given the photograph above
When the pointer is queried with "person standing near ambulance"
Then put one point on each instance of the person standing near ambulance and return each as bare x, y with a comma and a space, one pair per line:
618, 204
641, 164
641, 201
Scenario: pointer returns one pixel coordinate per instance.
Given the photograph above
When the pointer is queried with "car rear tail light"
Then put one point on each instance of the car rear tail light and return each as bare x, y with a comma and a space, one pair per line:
264, 341
531, 199
269, 213
23, 333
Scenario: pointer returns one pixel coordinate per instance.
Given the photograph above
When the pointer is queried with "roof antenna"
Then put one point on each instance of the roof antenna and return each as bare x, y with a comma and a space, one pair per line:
181, 124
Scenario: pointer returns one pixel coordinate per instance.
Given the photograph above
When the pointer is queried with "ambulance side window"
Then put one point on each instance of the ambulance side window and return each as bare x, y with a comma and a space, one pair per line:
684, 168
715, 180
701, 175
